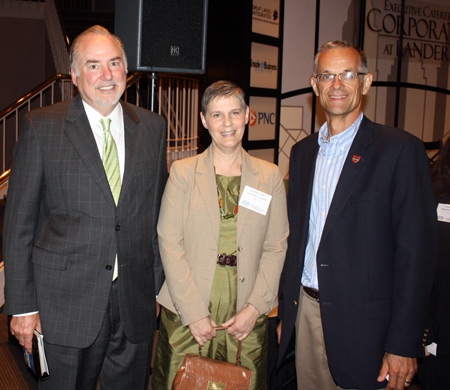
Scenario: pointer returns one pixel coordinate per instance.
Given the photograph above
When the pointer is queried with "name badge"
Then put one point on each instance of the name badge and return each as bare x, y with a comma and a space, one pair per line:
255, 200
443, 212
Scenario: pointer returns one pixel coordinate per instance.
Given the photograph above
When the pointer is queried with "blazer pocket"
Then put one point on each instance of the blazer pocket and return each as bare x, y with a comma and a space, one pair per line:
49, 259
366, 196
378, 308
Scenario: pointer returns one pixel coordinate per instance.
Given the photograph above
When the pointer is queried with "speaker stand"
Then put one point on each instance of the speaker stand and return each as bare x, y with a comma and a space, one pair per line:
154, 82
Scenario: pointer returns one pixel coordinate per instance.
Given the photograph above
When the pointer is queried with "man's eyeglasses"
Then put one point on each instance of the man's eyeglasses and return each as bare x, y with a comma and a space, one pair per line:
326, 78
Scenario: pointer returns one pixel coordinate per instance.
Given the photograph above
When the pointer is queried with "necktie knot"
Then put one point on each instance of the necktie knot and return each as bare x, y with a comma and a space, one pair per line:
106, 123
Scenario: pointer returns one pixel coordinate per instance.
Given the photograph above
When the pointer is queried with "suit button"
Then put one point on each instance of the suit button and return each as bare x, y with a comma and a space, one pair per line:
109, 267
117, 228
242, 280
239, 249
295, 303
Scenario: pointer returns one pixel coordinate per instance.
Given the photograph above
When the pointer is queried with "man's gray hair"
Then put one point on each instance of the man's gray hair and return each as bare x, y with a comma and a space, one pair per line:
94, 30
342, 45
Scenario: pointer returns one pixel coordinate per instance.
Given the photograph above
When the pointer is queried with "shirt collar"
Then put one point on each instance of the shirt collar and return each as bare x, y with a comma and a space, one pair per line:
342, 140
94, 116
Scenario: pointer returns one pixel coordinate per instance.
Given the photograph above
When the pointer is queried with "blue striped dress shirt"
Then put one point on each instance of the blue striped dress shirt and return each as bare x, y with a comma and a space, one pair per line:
330, 160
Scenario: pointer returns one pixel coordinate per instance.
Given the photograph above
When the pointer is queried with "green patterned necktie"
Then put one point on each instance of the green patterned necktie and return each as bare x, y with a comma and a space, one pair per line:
111, 159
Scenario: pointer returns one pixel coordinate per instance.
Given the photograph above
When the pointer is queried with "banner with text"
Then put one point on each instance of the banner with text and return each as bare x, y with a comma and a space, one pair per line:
423, 28
264, 66
262, 118
265, 17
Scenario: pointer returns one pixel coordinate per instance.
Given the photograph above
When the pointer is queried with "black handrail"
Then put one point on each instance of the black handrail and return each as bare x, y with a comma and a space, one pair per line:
63, 25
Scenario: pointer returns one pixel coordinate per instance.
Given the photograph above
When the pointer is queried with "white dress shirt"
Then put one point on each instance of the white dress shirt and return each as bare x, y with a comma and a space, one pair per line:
117, 131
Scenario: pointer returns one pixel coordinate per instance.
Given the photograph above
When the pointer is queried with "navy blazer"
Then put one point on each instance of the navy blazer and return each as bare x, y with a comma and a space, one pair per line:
376, 256
439, 322
63, 228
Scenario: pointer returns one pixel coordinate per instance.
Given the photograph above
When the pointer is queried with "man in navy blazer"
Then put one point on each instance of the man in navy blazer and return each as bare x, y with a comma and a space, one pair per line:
361, 251
82, 262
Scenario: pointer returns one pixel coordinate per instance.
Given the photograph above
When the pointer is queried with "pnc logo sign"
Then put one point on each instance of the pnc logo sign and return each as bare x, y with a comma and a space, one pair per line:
261, 118
252, 119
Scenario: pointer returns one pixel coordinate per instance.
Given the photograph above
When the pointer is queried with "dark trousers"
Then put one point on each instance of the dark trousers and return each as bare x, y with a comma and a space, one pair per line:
119, 364
284, 377
434, 373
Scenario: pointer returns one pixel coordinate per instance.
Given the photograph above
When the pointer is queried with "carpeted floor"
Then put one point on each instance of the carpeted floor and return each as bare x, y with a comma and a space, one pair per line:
14, 374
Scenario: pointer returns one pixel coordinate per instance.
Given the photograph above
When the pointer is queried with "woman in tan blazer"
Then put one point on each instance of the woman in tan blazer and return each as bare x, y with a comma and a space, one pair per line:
222, 233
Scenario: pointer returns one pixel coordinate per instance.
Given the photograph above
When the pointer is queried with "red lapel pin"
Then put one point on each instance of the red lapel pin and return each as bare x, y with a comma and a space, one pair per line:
356, 158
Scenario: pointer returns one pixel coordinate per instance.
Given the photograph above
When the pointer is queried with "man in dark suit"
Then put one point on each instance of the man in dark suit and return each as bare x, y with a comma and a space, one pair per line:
81, 255
361, 251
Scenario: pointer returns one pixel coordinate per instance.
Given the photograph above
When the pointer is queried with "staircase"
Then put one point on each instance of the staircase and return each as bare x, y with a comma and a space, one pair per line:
176, 96
78, 15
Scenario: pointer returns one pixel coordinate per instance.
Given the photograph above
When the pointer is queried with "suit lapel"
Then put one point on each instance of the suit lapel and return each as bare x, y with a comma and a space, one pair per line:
302, 193
249, 177
206, 186
355, 163
79, 132
134, 134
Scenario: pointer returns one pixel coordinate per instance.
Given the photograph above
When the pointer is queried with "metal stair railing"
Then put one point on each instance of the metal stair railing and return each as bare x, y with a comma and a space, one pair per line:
178, 103
57, 88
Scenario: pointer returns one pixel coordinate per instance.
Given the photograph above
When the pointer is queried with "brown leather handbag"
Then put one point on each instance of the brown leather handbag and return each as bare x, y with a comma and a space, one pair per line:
201, 373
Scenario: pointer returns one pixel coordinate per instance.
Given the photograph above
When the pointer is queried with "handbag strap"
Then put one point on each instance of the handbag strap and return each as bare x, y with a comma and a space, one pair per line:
238, 353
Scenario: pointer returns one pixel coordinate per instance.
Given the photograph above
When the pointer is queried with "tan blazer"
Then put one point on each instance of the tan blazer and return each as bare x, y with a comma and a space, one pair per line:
188, 232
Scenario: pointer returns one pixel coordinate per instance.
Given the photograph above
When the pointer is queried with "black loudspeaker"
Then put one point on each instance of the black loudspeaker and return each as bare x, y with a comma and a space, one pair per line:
163, 35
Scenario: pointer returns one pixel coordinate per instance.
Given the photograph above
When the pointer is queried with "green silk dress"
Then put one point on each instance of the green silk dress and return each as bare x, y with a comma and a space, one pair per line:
176, 340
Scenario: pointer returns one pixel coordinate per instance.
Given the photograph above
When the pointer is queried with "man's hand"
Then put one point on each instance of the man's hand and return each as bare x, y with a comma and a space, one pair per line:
22, 327
401, 371
203, 330
241, 324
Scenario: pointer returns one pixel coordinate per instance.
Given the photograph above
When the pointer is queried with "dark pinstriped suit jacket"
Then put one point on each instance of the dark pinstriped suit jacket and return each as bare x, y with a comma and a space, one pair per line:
63, 229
